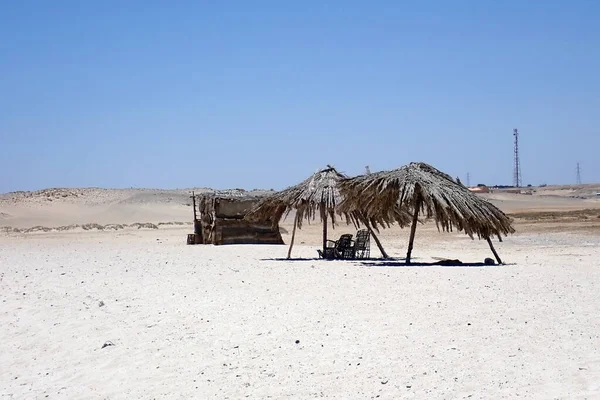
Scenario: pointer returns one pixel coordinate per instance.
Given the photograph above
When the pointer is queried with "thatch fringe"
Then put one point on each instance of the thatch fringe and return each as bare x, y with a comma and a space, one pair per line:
435, 193
319, 195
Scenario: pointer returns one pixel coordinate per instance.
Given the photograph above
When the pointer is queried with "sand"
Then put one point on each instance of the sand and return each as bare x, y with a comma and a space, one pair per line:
135, 313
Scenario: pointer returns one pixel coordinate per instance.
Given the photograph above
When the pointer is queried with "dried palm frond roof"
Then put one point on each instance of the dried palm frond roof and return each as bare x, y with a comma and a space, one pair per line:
419, 184
240, 194
318, 195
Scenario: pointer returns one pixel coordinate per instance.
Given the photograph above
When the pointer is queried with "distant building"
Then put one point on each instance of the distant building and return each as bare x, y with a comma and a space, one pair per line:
480, 189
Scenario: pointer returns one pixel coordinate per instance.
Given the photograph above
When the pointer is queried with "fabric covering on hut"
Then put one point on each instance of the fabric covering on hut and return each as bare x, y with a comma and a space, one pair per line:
319, 195
222, 219
420, 188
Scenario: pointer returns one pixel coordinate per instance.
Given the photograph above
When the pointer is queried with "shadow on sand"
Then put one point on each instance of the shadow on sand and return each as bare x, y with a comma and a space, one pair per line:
395, 262
446, 263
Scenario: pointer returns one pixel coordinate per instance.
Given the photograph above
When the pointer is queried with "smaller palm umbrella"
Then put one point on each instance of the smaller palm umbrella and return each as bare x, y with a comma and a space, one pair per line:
419, 187
318, 195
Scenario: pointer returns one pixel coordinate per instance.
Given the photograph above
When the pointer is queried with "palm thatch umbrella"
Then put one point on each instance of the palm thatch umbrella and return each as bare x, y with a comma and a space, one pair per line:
319, 195
419, 187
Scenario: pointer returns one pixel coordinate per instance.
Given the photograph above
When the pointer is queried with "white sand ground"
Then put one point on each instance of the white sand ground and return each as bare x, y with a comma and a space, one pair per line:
222, 322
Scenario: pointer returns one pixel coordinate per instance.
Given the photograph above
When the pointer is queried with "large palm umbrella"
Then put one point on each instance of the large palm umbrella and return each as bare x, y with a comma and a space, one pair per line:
419, 187
319, 195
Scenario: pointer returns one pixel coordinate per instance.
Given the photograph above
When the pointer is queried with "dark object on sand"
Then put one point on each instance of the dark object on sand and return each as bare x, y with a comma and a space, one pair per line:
448, 262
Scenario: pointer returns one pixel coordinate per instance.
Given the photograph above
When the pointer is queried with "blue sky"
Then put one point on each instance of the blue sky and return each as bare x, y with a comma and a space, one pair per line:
261, 94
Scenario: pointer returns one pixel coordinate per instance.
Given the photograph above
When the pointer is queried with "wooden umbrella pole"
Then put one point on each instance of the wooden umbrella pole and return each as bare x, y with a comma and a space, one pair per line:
379, 246
324, 230
413, 228
368, 225
293, 236
493, 250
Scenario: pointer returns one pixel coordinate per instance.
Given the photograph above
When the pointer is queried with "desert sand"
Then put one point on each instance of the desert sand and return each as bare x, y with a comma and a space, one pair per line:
130, 311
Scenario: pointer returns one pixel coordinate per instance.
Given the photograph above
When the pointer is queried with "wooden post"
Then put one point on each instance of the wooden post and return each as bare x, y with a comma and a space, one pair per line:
413, 227
493, 250
293, 236
324, 229
198, 237
368, 225
379, 246
194, 205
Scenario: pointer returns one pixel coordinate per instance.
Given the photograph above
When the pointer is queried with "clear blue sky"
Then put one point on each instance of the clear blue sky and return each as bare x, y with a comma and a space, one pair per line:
255, 94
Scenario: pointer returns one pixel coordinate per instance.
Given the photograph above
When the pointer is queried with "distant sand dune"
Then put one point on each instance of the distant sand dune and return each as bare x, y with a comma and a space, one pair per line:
564, 216
70, 209
92, 226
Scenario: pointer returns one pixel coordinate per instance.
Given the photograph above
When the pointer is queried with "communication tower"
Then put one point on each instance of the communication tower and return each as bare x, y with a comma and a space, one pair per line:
517, 179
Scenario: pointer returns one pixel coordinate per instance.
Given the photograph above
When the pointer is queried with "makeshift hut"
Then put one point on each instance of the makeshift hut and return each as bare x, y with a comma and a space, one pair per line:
421, 188
319, 195
221, 219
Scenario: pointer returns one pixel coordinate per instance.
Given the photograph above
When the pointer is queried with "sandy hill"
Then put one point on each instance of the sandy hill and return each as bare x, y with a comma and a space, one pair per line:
546, 198
62, 207
67, 207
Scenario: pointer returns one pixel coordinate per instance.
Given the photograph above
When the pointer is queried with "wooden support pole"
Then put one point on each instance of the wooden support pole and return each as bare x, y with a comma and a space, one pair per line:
194, 205
368, 225
293, 236
379, 245
493, 250
324, 230
413, 228
198, 238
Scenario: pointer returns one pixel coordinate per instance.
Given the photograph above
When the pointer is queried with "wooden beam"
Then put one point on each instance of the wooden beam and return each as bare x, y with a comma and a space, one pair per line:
368, 225
324, 216
413, 227
293, 236
194, 205
493, 250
